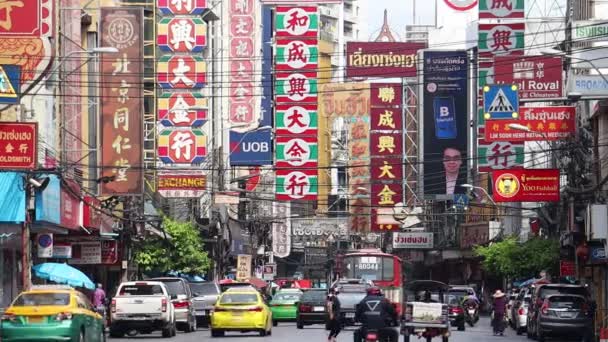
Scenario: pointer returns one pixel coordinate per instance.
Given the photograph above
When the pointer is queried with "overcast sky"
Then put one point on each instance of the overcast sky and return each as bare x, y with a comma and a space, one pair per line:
399, 14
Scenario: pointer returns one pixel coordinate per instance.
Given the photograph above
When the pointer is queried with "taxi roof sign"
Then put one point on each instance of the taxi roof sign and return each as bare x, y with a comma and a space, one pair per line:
10, 79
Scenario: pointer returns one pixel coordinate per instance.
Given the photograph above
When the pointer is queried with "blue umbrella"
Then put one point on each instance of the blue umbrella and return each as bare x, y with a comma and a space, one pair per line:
63, 274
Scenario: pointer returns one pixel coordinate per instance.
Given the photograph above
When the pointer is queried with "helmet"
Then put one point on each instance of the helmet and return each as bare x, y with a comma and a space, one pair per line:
374, 291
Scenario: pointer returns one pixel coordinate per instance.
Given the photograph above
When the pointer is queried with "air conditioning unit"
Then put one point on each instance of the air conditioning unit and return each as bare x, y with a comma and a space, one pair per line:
596, 224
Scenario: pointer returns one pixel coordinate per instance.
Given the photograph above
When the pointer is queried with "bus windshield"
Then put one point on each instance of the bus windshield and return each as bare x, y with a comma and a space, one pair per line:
374, 268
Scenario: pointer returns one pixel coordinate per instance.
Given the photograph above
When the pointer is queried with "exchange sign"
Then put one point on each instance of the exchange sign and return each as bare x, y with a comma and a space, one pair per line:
521, 185
182, 185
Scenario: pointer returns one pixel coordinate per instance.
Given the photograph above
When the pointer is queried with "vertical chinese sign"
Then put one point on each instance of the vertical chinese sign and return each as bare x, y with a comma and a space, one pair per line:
182, 110
501, 34
348, 107
296, 31
386, 154
122, 105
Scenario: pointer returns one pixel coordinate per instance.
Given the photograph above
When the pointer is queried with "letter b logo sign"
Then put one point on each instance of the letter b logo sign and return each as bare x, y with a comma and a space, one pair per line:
444, 111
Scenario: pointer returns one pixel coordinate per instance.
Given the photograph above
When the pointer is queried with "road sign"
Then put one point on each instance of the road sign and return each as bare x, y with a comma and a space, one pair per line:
461, 201
10, 76
500, 101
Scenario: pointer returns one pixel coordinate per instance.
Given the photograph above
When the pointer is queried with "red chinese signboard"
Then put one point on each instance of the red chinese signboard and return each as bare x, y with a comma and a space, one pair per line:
386, 95
386, 119
193, 7
70, 205
174, 109
18, 142
386, 144
526, 185
567, 268
122, 107
91, 215
538, 77
387, 169
30, 18
181, 34
542, 123
181, 72
382, 59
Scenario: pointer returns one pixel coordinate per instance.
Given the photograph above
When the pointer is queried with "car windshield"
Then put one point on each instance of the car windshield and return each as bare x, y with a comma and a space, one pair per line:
175, 287
239, 298
458, 293
203, 289
553, 290
312, 296
453, 300
565, 302
287, 296
140, 290
353, 289
42, 299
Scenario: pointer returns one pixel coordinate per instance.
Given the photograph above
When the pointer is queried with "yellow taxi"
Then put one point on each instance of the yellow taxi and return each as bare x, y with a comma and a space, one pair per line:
241, 310
49, 313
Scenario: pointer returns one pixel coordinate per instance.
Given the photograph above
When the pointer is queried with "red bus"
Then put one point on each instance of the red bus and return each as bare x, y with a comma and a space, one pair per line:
384, 270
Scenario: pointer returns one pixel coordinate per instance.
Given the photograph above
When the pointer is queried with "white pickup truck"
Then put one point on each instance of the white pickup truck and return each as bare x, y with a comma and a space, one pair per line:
142, 307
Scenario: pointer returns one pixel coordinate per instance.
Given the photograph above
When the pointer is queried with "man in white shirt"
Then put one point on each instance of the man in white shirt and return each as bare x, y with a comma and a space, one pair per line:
452, 160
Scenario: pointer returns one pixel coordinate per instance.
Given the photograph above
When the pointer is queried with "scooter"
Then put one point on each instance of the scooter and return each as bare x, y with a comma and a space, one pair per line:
471, 315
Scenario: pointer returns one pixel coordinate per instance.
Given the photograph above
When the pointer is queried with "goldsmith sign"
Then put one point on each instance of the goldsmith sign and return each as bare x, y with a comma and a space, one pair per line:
382, 59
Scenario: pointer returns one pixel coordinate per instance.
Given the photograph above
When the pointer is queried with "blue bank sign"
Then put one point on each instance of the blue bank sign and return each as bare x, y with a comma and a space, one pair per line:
588, 85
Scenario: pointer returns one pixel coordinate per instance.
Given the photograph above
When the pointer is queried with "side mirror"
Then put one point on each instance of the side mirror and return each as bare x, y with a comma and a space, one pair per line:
196, 294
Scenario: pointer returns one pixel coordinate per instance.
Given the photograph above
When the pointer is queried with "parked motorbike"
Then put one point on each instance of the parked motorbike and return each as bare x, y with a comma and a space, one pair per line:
471, 315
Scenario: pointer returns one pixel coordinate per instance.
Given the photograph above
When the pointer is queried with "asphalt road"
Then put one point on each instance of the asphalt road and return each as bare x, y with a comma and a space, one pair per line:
287, 332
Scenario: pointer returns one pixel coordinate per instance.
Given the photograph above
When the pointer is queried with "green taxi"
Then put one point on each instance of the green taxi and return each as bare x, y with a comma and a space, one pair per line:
51, 314
283, 305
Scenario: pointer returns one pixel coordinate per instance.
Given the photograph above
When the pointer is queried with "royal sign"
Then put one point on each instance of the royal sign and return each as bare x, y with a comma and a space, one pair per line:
537, 77
181, 185
182, 146
18, 145
297, 119
181, 72
180, 7
382, 59
412, 240
174, 109
501, 9
526, 185
543, 123
501, 39
181, 34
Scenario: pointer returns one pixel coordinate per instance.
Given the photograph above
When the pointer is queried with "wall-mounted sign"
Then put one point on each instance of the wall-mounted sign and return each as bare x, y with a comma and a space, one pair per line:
412, 240
181, 72
44, 242
182, 185
181, 34
588, 85
526, 185
18, 145
62, 250
537, 77
174, 109
243, 267
182, 146
501, 39
382, 59
172, 7
590, 30
503, 9
281, 229
544, 123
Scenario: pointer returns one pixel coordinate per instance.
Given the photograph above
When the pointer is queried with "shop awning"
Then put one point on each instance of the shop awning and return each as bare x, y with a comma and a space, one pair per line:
12, 201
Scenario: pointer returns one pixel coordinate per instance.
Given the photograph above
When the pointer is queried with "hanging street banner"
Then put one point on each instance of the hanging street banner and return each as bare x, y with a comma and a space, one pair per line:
501, 39
502, 9
537, 77
420, 240
18, 145
499, 155
590, 30
588, 85
182, 185
296, 120
500, 101
281, 229
181, 72
382, 59
182, 146
544, 123
526, 185
174, 109
181, 34
121, 105
191, 7
10, 84
243, 267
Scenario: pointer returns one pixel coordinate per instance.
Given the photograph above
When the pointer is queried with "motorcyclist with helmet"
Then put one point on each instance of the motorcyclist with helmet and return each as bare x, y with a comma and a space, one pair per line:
376, 313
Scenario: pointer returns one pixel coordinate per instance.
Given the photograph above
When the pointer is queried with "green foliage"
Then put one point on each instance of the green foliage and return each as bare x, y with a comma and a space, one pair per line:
182, 253
509, 258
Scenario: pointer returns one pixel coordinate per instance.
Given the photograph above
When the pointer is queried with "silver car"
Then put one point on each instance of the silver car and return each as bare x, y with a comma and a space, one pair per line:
205, 295
181, 297
520, 313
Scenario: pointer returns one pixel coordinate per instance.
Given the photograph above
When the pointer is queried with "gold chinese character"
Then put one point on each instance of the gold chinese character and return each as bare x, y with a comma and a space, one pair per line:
386, 227
123, 91
386, 142
121, 118
386, 170
386, 119
540, 126
386, 196
122, 165
120, 144
7, 6
506, 127
495, 127
564, 126
552, 126
386, 94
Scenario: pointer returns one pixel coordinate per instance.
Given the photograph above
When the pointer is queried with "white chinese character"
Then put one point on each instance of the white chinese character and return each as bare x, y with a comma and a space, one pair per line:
241, 113
121, 65
121, 118
179, 73
123, 91
241, 49
180, 110
241, 6
182, 31
178, 4
240, 92
241, 27
182, 141
240, 73
122, 165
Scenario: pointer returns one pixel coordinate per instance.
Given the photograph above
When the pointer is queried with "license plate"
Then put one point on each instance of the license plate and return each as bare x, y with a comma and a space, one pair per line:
237, 313
35, 319
419, 330
350, 315
318, 309
138, 318
567, 314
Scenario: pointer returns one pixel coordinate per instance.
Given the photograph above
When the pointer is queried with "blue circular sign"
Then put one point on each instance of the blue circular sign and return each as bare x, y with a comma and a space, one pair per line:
45, 240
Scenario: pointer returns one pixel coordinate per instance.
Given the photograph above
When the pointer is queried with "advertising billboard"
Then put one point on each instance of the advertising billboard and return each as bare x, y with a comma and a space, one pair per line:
526, 185
537, 77
122, 105
542, 123
382, 59
445, 108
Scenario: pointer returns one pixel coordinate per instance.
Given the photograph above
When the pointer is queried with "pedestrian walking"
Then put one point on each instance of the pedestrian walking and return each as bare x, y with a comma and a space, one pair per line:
498, 317
333, 315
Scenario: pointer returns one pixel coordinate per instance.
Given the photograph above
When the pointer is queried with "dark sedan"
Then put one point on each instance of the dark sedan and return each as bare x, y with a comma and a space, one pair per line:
311, 308
565, 315
456, 312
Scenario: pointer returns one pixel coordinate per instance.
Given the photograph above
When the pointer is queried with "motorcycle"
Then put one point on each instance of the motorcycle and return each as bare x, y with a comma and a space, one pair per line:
374, 336
471, 315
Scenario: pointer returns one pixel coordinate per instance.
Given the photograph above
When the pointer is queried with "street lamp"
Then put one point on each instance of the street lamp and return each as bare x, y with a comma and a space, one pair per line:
470, 186
555, 52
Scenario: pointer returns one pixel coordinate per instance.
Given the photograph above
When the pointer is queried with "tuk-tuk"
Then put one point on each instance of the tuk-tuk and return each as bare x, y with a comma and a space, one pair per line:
426, 310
